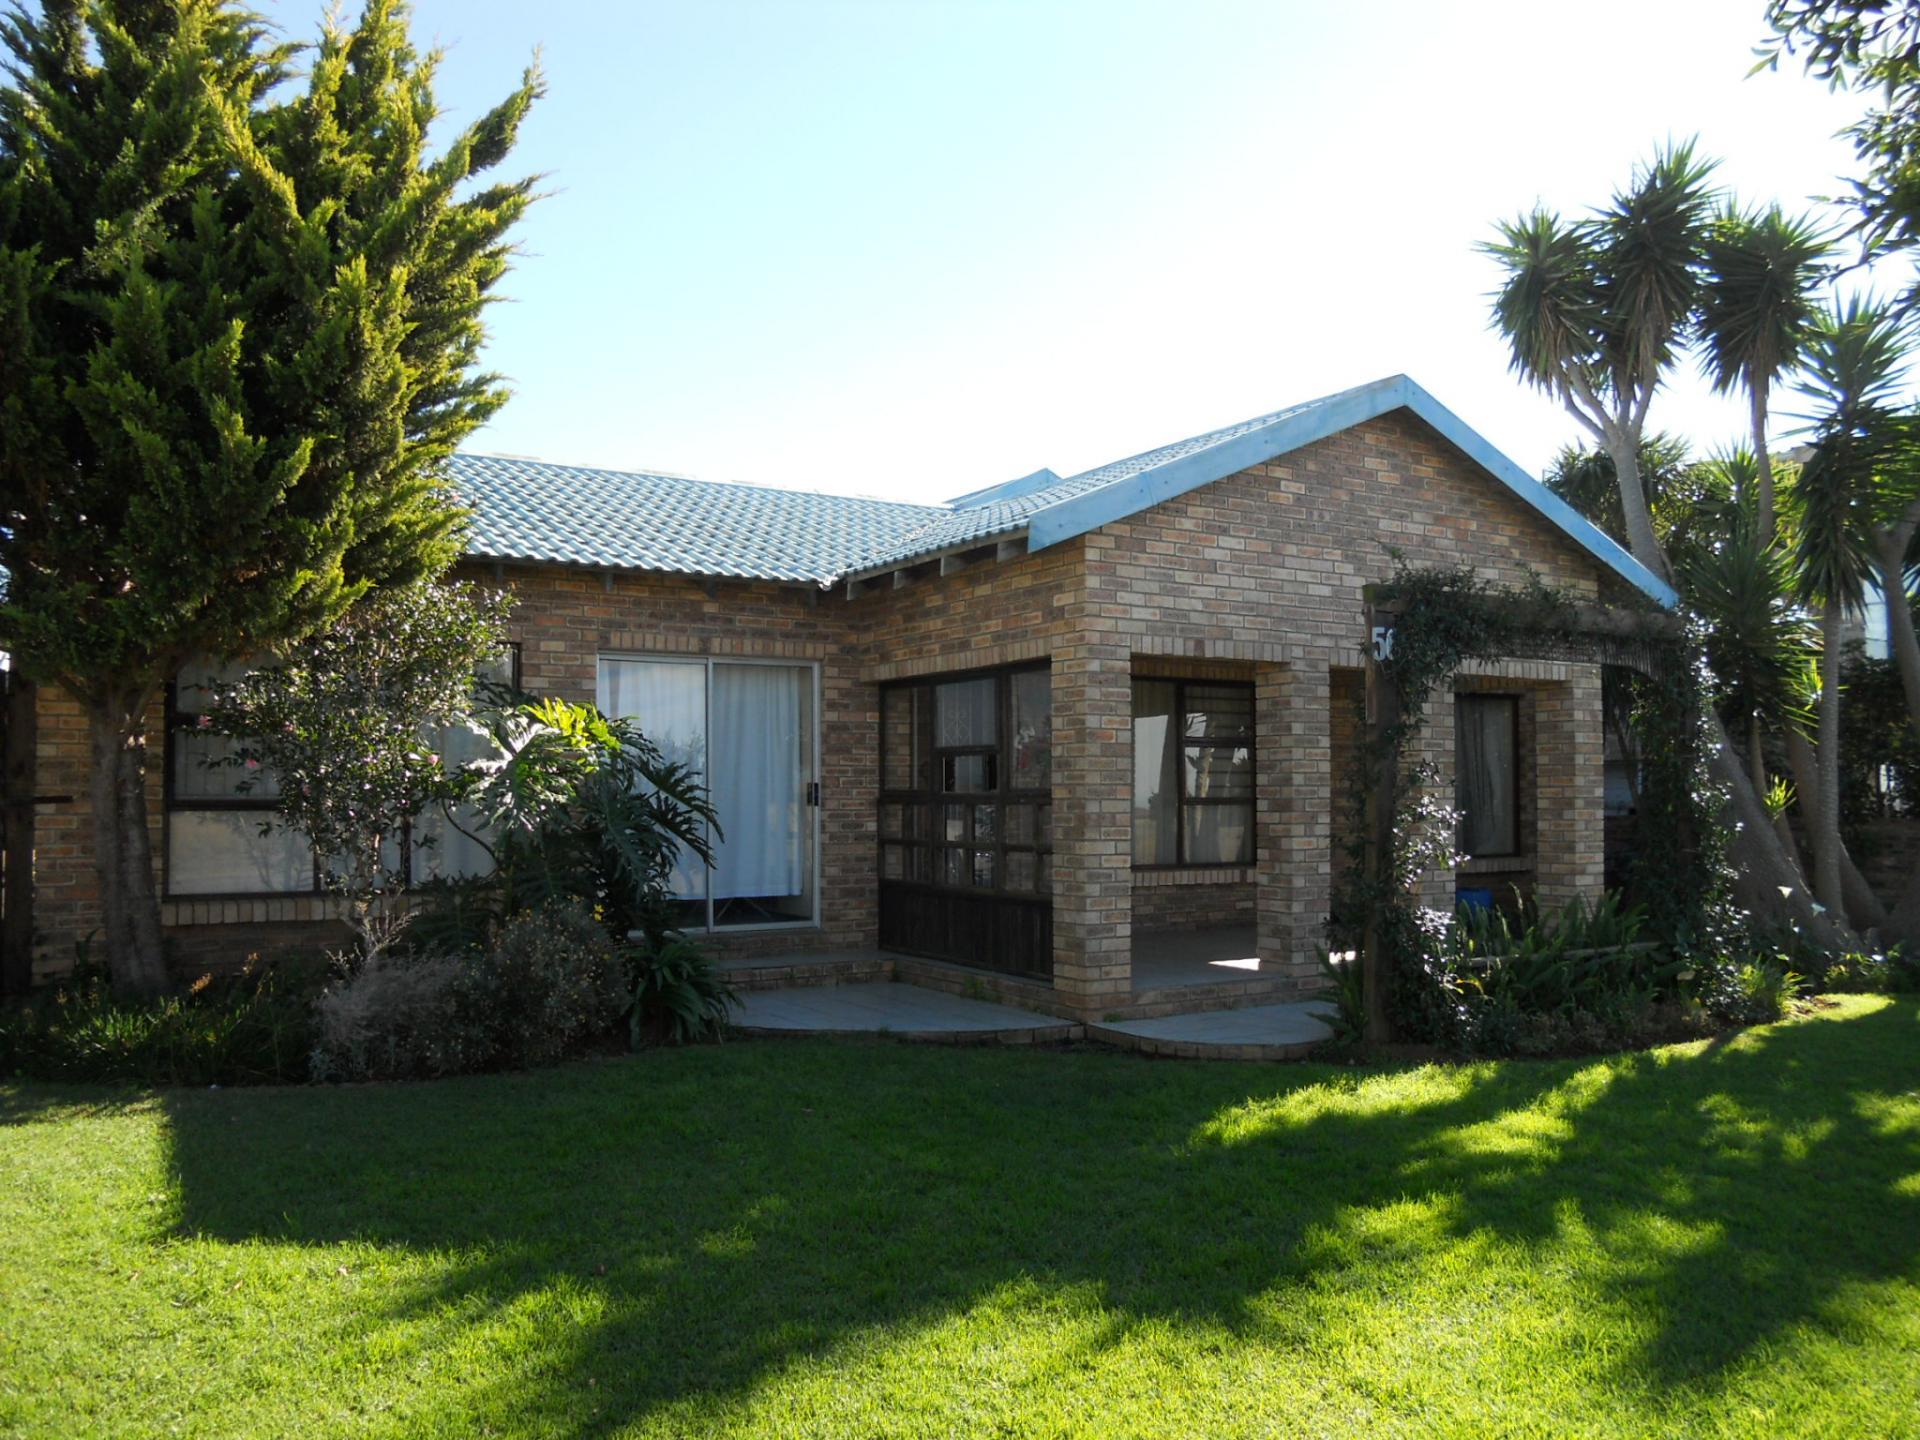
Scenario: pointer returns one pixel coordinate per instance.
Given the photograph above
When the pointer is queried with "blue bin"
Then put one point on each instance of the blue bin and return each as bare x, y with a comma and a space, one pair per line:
1473, 897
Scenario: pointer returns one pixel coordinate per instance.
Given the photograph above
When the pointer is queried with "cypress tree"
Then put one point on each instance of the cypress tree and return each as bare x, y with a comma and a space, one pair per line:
240, 314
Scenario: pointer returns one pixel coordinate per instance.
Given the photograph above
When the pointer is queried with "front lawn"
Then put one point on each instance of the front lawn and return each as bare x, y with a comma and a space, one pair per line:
818, 1239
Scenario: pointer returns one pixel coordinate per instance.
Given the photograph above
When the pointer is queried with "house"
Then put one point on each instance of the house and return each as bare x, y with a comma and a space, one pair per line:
1020, 738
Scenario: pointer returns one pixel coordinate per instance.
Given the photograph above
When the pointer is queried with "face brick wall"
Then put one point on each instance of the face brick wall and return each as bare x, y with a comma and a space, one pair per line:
1258, 576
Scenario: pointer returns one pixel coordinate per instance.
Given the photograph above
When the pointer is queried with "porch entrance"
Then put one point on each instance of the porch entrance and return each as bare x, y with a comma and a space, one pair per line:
966, 819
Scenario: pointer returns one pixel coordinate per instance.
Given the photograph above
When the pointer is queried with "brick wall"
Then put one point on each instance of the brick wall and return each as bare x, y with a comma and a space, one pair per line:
1192, 904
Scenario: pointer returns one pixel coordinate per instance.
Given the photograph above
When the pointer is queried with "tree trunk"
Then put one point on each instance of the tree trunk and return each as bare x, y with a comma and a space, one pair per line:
1757, 768
1762, 461
123, 853
1890, 549
1625, 452
20, 781
1765, 880
1826, 805
1864, 908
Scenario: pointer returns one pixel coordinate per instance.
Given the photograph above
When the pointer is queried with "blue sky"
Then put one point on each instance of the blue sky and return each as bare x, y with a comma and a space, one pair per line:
911, 249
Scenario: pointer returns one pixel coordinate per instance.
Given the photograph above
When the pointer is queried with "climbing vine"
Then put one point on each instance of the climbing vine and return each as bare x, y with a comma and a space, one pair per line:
1442, 619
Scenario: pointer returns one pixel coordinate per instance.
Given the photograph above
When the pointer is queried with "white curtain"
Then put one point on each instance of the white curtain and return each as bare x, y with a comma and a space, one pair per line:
668, 698
760, 764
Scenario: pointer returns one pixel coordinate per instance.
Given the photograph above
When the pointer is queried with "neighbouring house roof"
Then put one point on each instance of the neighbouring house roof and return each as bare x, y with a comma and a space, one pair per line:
531, 510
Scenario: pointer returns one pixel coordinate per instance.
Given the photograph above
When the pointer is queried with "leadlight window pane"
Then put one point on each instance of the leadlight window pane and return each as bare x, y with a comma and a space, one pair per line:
222, 852
983, 869
1020, 824
1032, 730
968, 774
1219, 772
1219, 834
1022, 872
1219, 712
986, 822
964, 713
1156, 799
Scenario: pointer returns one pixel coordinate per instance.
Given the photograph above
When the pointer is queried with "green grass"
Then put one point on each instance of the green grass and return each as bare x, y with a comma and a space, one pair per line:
818, 1239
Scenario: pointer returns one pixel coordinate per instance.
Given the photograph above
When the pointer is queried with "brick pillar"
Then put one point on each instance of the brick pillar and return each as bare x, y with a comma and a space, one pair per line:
1093, 827
1293, 814
1572, 790
1434, 745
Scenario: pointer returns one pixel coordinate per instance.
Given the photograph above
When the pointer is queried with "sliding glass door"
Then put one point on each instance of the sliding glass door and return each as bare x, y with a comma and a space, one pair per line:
749, 731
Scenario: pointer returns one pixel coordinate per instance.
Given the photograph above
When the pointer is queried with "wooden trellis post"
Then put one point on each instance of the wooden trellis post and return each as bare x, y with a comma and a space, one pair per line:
1383, 715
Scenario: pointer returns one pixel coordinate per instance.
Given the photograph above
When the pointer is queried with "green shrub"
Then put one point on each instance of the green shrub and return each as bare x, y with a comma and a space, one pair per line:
550, 986
1752, 992
1347, 992
678, 992
254, 1027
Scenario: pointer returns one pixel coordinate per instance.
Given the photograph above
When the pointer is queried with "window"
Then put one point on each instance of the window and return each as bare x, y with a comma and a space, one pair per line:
966, 774
215, 811
1192, 772
1486, 775
746, 729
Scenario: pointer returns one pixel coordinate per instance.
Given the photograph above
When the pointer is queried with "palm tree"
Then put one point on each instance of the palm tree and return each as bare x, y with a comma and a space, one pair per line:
1851, 371
1596, 311
1756, 306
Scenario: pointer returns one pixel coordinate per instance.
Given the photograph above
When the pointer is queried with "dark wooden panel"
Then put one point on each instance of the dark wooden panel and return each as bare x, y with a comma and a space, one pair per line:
991, 931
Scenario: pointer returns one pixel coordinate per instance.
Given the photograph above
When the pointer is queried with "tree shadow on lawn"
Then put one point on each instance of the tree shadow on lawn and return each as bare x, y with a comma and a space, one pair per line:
736, 1209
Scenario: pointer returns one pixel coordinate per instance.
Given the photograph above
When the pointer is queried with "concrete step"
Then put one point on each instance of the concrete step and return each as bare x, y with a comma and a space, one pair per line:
1256, 1032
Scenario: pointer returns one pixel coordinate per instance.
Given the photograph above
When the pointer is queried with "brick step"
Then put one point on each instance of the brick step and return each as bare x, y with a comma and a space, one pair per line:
785, 972
1219, 995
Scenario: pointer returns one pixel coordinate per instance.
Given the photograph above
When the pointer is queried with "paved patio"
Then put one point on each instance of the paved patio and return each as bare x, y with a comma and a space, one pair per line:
899, 1009
1212, 955
1258, 1032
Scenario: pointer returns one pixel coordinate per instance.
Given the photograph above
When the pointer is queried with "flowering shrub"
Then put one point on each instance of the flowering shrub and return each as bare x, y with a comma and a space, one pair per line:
343, 722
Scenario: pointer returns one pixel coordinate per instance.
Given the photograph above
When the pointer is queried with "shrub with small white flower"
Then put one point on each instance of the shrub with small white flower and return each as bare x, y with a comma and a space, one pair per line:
343, 721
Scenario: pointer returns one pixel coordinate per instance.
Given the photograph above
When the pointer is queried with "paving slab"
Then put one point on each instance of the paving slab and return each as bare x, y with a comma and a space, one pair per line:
891, 1006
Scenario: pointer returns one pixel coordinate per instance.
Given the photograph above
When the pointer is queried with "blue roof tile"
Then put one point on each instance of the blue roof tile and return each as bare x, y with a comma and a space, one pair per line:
565, 514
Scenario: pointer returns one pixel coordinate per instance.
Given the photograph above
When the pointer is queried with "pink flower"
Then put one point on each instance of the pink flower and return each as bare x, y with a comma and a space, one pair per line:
204, 721
253, 764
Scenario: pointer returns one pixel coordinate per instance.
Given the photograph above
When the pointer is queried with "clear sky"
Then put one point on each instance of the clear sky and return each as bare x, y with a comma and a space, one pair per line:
910, 249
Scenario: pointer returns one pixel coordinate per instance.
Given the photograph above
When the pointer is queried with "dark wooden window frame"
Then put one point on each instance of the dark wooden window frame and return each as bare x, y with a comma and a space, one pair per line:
1512, 703
927, 798
171, 803
1182, 799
